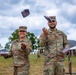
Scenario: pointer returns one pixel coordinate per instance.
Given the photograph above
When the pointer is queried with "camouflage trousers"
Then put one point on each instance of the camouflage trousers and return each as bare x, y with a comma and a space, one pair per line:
21, 70
54, 68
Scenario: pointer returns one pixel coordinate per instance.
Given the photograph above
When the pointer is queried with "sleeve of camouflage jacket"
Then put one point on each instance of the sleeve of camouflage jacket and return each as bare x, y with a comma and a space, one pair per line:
65, 42
43, 40
10, 54
10, 51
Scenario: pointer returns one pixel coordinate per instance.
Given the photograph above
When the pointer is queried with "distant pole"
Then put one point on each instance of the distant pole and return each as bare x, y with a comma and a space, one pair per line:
70, 63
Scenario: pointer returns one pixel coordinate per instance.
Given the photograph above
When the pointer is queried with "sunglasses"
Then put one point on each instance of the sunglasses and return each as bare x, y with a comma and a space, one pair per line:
22, 31
53, 21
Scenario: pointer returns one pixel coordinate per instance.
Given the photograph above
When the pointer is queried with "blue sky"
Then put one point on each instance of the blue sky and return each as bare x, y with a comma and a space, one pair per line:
11, 18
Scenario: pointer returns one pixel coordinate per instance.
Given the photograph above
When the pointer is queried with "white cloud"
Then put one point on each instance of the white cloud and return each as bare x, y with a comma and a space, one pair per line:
53, 11
69, 8
72, 34
3, 41
74, 1
11, 18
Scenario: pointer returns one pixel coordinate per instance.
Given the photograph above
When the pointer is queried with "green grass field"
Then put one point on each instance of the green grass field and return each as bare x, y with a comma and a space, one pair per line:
36, 68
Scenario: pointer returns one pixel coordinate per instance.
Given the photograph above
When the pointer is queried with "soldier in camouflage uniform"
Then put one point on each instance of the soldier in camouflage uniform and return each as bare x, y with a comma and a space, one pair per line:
38, 54
19, 51
54, 42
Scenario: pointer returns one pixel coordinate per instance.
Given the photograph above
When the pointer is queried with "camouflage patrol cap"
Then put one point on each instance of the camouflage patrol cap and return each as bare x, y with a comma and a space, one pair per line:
24, 28
53, 18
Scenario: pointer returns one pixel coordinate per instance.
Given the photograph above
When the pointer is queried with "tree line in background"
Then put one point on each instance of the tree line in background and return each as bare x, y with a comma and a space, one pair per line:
30, 36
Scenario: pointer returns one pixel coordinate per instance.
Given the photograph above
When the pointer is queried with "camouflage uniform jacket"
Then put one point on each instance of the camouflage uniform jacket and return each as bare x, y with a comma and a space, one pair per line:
54, 43
20, 57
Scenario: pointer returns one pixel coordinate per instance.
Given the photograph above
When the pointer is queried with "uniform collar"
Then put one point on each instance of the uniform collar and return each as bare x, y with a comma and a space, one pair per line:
52, 30
23, 40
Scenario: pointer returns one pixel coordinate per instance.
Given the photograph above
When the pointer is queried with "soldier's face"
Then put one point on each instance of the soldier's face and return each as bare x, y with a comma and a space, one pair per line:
52, 25
22, 33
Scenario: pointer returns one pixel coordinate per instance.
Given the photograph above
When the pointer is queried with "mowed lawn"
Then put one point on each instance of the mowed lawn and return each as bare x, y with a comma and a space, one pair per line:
36, 68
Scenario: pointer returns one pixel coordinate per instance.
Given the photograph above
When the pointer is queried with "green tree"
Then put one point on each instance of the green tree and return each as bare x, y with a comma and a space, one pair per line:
1, 46
30, 36
7, 45
33, 39
14, 35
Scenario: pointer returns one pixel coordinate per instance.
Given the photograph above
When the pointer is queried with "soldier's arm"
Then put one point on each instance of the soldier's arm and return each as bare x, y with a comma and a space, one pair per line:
29, 47
9, 54
43, 40
38, 54
65, 42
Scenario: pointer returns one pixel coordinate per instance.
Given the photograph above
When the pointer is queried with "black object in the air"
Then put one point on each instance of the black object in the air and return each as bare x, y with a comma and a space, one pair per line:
25, 13
48, 18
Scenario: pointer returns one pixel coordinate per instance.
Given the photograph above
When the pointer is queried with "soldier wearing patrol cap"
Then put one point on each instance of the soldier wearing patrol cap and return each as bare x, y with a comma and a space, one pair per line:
24, 28
54, 41
20, 50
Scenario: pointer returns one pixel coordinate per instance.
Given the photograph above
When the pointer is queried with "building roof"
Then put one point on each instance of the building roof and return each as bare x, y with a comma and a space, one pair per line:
73, 48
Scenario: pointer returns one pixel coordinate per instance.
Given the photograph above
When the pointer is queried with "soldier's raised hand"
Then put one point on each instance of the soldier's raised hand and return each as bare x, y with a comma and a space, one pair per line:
45, 31
23, 46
